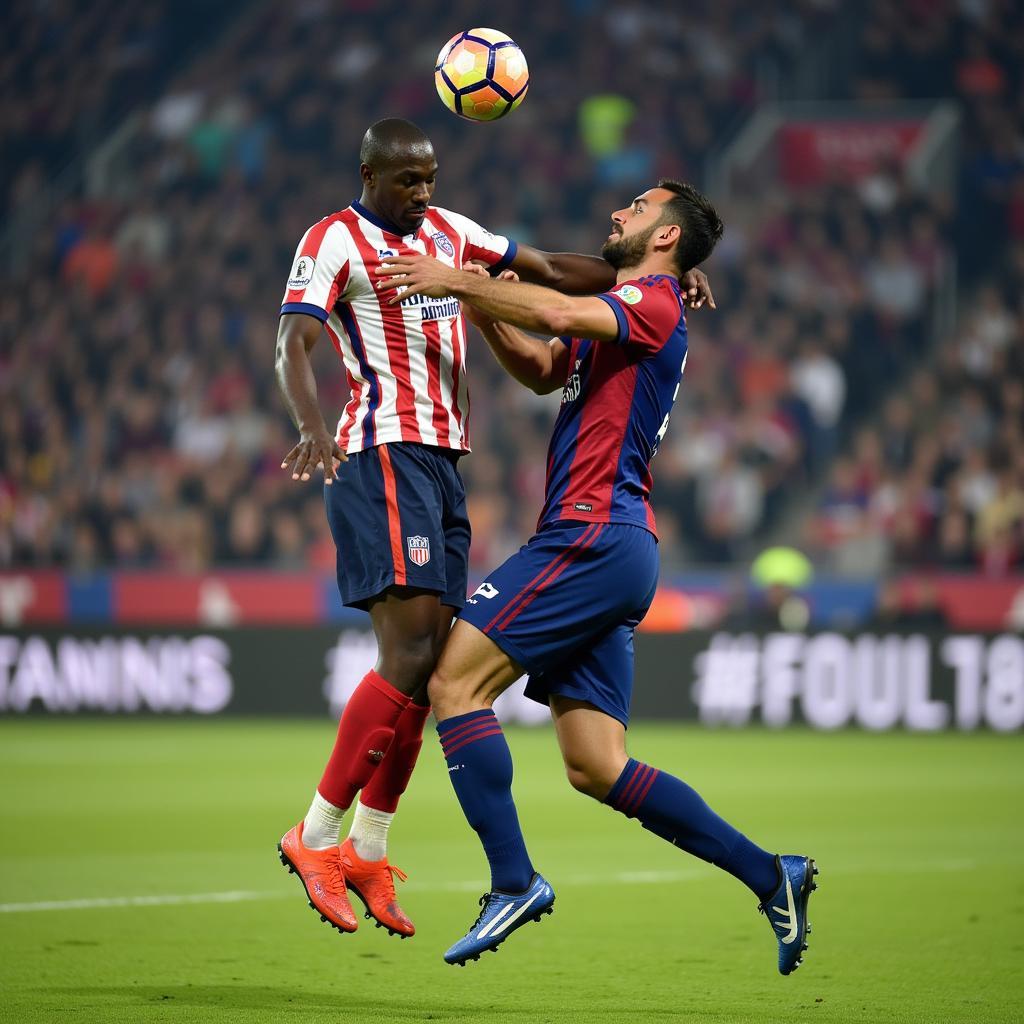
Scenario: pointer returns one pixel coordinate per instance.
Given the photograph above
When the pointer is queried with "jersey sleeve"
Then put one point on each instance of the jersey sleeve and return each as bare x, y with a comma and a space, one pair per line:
495, 251
319, 272
647, 313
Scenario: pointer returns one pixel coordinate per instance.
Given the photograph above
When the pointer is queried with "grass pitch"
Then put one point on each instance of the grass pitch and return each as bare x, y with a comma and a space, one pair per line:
919, 916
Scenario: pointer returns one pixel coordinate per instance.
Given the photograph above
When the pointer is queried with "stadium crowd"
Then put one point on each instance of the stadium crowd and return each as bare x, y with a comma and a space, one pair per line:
139, 420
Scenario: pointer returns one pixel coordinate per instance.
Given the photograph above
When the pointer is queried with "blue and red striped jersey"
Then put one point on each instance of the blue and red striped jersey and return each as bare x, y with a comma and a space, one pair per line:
615, 408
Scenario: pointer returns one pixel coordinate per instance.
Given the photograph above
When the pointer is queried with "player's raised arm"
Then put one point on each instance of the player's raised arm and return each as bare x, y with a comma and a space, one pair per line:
529, 306
542, 366
568, 272
575, 274
297, 333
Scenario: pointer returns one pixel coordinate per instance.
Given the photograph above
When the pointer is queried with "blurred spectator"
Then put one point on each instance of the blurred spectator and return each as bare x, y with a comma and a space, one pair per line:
139, 421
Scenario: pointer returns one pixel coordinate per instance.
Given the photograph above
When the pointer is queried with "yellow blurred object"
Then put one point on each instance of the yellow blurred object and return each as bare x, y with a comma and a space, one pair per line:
782, 567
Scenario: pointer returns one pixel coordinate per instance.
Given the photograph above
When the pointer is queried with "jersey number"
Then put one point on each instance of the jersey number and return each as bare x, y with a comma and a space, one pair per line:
664, 423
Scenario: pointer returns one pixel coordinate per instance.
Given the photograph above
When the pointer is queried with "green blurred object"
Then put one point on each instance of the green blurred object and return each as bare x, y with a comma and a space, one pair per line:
604, 120
782, 567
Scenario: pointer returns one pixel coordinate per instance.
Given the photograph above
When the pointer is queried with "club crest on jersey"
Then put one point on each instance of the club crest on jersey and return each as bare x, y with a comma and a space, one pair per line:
383, 254
419, 549
444, 243
629, 293
302, 273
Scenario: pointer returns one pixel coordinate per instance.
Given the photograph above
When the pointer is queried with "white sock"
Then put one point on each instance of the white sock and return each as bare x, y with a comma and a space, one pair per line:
322, 825
369, 832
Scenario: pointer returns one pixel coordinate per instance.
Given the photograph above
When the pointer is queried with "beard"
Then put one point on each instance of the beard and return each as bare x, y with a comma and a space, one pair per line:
623, 253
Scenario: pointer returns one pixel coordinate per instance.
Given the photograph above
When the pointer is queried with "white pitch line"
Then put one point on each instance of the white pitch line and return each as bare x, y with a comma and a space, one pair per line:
473, 885
168, 900
242, 895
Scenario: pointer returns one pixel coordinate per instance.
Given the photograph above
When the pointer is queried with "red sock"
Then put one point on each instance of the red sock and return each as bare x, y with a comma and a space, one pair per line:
391, 778
365, 732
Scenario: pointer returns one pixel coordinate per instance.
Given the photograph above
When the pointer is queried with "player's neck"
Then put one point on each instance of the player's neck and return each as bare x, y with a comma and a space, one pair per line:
648, 268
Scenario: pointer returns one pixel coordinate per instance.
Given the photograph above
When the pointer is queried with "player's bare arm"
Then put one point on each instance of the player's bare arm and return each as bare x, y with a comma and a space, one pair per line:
542, 366
529, 306
575, 274
297, 333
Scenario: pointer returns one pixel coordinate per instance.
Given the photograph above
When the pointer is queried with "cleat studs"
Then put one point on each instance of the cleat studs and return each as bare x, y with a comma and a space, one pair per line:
807, 929
323, 917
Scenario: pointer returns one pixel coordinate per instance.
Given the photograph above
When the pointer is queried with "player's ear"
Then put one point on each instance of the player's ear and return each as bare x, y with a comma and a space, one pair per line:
668, 235
367, 174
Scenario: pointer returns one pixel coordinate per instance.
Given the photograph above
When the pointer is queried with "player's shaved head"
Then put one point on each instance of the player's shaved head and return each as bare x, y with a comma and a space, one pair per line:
393, 140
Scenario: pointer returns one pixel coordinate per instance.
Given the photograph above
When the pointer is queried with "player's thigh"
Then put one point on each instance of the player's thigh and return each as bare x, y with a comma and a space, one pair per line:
472, 672
593, 745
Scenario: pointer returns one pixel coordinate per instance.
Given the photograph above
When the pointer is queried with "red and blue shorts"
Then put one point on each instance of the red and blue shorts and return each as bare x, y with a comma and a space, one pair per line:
398, 516
565, 607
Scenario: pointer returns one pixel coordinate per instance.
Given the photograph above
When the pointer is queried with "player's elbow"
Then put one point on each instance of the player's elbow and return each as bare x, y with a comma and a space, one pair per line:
544, 385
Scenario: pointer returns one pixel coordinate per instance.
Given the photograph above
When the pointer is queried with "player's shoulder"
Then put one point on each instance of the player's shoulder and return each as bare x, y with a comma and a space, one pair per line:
459, 221
634, 291
332, 221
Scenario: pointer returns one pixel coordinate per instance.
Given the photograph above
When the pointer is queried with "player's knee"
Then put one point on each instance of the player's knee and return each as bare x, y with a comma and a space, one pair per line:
408, 666
448, 694
589, 778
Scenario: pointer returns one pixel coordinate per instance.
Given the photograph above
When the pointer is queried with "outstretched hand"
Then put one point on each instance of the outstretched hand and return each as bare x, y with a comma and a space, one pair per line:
315, 449
416, 275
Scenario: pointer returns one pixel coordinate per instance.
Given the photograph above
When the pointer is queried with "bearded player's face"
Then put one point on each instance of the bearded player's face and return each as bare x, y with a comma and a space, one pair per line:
633, 228
401, 190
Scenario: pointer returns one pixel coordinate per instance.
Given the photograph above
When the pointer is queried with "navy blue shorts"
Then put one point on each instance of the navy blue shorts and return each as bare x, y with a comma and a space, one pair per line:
398, 516
565, 607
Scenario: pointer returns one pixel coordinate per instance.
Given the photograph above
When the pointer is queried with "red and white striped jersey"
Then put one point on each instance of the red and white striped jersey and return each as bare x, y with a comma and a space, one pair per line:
406, 364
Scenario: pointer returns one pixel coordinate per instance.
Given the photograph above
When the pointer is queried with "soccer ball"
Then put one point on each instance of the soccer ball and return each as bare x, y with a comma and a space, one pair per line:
481, 74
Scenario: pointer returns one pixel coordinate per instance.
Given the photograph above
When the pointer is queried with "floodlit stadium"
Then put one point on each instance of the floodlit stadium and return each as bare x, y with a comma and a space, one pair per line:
233, 244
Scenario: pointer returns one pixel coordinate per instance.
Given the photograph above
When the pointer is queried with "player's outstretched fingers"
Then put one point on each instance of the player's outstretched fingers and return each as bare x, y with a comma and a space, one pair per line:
290, 457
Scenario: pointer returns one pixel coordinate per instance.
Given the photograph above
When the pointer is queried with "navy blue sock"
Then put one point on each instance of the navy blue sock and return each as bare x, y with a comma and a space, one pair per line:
670, 808
480, 767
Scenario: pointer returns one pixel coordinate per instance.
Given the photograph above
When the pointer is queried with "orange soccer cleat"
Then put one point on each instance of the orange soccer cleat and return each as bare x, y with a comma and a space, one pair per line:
322, 877
373, 881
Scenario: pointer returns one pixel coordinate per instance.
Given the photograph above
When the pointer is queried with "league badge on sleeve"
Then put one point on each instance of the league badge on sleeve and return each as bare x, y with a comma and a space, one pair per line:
419, 549
629, 293
302, 274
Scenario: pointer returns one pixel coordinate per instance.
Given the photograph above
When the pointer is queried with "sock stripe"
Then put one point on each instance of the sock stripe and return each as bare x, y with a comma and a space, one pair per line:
623, 798
638, 802
637, 785
494, 730
448, 731
630, 801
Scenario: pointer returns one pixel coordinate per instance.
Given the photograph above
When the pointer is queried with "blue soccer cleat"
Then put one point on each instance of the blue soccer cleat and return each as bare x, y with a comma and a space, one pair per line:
502, 914
786, 909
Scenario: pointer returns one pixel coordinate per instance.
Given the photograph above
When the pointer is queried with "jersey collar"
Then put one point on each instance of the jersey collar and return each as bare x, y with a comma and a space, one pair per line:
673, 281
384, 225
